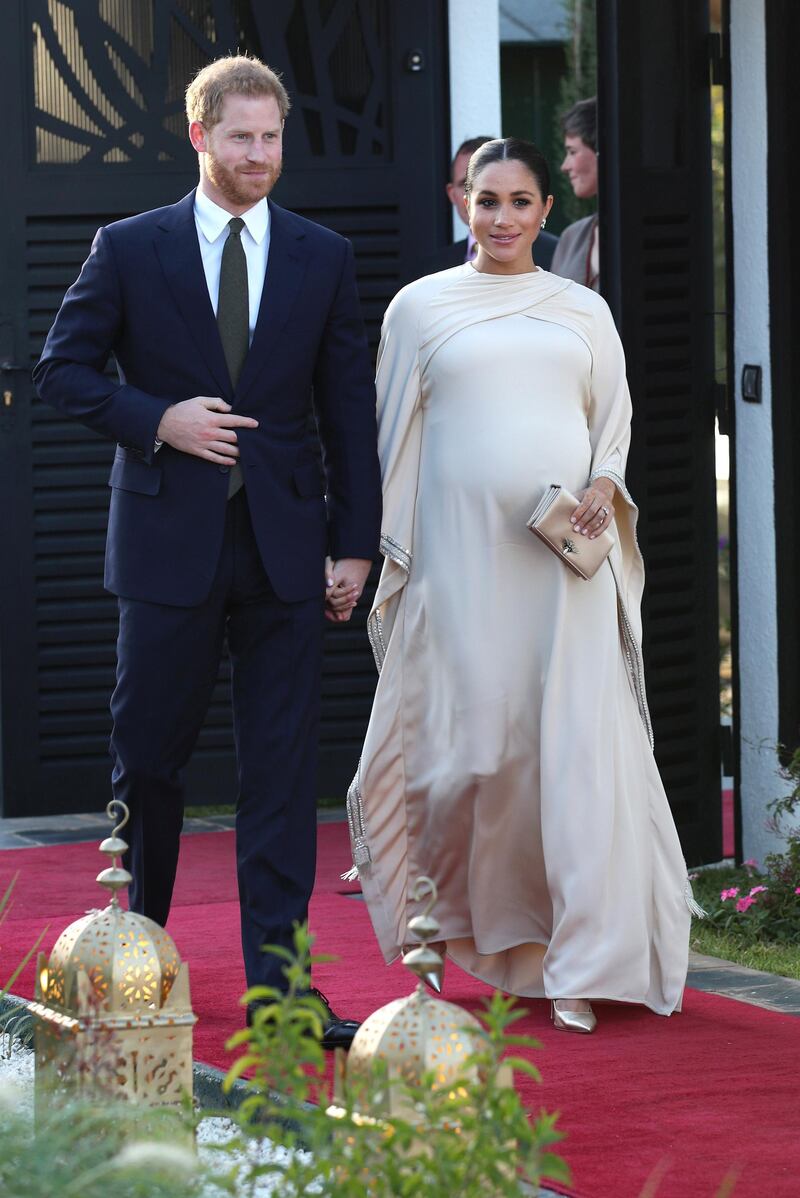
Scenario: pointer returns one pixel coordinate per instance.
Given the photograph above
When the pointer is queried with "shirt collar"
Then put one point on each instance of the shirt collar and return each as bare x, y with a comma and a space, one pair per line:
213, 220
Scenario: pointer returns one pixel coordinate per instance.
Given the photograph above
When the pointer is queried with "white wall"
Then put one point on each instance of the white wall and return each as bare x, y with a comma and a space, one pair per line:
474, 32
755, 495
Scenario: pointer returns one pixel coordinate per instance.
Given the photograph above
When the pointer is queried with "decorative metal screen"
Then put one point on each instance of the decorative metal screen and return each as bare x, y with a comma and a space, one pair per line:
108, 77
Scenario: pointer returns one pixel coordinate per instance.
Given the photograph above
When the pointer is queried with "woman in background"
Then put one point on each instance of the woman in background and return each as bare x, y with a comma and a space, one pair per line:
577, 255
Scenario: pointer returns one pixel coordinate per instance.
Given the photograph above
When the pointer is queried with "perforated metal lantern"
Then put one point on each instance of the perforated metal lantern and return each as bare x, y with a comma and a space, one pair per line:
112, 1011
410, 1038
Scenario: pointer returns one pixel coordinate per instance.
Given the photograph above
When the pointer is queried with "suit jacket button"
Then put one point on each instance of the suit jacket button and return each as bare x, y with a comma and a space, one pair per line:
223, 469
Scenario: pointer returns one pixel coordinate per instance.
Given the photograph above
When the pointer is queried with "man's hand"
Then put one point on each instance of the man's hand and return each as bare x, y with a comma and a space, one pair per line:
204, 426
344, 582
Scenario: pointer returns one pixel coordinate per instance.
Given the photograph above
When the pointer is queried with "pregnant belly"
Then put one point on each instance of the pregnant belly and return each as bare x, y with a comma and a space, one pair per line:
506, 450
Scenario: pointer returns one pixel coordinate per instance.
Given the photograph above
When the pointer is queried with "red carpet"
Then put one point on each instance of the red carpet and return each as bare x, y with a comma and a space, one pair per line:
703, 1092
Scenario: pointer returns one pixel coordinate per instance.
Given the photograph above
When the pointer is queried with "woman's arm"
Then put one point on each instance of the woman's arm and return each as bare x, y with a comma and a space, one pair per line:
609, 420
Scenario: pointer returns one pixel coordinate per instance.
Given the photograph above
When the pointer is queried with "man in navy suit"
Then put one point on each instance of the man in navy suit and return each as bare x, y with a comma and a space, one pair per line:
228, 317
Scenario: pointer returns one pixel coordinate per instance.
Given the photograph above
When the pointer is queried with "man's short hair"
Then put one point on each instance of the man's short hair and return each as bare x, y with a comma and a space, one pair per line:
468, 147
235, 74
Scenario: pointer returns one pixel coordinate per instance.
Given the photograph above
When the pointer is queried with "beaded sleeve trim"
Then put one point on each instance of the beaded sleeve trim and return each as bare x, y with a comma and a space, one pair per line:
616, 479
634, 666
375, 634
396, 552
358, 837
630, 648
692, 903
355, 803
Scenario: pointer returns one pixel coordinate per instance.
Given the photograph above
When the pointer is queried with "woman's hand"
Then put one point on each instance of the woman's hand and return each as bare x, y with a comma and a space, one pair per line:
344, 582
595, 509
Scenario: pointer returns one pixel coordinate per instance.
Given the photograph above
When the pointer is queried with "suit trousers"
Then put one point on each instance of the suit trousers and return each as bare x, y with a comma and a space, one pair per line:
167, 664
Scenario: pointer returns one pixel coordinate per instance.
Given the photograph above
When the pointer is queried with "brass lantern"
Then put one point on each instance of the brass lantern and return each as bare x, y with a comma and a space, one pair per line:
112, 1014
412, 1037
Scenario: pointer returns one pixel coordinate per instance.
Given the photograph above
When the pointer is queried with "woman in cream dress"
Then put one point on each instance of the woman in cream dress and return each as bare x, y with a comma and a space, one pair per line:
508, 754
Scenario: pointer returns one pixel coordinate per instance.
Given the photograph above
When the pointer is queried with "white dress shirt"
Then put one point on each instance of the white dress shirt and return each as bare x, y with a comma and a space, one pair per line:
212, 232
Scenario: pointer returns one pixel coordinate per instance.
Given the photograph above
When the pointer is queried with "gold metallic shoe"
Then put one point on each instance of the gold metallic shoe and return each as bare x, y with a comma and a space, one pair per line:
431, 956
572, 1021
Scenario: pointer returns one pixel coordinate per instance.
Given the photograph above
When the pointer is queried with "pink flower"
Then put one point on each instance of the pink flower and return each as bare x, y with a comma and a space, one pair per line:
758, 890
750, 863
797, 889
744, 903
726, 894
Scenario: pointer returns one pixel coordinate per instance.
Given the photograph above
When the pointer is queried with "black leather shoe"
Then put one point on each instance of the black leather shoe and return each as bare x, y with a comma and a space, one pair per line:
337, 1033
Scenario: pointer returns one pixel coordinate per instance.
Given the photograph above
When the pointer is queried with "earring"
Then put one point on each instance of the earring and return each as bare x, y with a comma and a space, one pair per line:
544, 222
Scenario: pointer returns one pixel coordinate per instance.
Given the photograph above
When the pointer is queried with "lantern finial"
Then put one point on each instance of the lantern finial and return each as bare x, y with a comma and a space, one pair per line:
115, 878
425, 962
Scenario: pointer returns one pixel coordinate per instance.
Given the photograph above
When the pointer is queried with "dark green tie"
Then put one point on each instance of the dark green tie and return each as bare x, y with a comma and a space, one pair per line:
233, 315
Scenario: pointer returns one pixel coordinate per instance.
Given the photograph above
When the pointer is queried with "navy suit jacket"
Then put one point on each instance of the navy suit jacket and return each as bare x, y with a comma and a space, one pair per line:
142, 295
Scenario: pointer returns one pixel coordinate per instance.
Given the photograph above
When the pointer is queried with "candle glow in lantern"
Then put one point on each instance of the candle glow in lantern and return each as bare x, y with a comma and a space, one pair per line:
112, 1013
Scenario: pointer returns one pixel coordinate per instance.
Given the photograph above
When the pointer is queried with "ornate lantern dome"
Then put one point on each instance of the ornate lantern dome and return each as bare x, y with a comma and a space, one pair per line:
130, 962
112, 1008
414, 1036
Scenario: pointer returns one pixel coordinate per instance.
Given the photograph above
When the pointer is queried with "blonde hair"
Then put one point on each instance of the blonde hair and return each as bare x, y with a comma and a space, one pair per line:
235, 74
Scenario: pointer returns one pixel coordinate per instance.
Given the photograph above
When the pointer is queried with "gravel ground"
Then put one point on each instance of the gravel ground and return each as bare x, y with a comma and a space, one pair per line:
16, 1091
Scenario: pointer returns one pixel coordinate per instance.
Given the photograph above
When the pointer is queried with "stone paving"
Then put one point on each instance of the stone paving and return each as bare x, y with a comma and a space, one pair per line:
745, 985
25, 832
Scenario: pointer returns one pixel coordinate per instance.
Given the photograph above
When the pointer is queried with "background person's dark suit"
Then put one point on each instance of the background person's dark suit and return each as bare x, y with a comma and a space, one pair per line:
189, 566
455, 254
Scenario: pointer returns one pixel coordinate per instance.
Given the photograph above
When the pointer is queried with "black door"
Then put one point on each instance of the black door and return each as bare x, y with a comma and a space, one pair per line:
656, 267
94, 89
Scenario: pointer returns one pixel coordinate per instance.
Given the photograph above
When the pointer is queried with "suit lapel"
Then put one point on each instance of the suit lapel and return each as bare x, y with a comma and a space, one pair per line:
179, 253
286, 266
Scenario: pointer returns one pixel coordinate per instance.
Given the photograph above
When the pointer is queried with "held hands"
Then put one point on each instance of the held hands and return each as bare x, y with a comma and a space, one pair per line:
344, 582
595, 509
204, 426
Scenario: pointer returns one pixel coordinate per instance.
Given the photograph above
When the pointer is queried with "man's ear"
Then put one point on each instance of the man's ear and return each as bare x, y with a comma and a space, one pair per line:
197, 136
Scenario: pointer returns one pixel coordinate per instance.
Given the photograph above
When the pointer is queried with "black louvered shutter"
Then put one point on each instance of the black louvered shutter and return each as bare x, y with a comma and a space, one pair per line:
95, 96
656, 267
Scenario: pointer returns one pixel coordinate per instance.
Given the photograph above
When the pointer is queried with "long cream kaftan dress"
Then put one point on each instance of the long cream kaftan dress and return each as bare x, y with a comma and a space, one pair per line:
508, 754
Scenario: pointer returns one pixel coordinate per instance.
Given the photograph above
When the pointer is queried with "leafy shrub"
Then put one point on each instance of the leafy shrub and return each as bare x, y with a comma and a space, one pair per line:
83, 1150
473, 1138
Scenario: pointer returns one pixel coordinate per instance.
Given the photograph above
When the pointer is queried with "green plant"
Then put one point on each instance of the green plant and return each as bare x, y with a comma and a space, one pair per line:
350, 1157
83, 1150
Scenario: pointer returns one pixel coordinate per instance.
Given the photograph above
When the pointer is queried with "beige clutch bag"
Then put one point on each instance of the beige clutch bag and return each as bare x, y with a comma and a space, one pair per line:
550, 523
